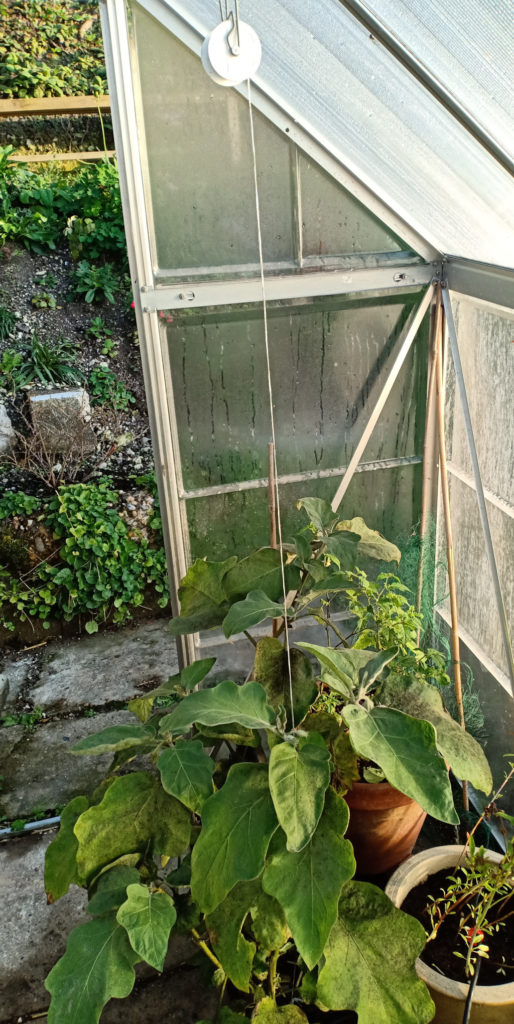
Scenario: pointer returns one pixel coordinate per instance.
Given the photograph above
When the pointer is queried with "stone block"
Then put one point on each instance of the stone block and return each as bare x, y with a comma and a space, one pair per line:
61, 419
105, 668
7, 434
39, 772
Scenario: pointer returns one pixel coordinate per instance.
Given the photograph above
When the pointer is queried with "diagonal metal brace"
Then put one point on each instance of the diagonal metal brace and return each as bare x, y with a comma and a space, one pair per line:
405, 347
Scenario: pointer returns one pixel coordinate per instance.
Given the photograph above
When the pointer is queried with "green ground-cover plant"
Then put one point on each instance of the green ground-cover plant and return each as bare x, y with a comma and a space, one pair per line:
106, 389
264, 882
51, 48
99, 570
98, 329
44, 300
43, 209
386, 704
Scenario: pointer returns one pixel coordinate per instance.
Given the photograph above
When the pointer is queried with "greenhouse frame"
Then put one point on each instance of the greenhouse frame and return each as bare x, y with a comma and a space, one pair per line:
380, 135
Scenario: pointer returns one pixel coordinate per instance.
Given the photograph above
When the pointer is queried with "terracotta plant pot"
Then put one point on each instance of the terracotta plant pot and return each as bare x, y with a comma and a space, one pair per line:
492, 1004
384, 825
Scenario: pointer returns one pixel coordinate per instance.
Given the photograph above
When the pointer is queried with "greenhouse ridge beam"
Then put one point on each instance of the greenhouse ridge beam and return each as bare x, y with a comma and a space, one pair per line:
428, 80
286, 286
481, 281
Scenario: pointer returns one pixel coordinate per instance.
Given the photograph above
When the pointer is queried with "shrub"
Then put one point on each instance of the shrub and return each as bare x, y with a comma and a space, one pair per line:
94, 283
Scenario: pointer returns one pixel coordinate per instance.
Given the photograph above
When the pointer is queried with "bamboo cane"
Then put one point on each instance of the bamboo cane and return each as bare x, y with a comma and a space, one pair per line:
445, 491
272, 505
428, 460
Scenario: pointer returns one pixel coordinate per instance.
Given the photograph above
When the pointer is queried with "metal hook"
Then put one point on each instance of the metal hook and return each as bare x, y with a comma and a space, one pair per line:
233, 37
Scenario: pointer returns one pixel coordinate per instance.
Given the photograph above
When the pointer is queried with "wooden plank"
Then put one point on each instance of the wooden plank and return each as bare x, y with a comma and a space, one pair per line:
30, 107
42, 158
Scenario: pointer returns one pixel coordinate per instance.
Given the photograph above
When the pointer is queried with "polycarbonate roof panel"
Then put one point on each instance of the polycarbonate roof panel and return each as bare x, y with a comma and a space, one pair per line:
347, 91
468, 46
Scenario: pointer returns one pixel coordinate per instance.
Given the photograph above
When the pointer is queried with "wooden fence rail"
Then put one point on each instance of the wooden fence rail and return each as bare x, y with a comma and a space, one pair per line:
30, 107
56, 105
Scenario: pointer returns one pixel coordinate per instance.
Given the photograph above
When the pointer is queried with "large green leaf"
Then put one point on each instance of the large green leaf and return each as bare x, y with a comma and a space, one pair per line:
61, 855
203, 601
343, 547
298, 780
405, 748
267, 1012
225, 925
256, 607
134, 815
110, 891
260, 571
148, 918
186, 772
369, 961
371, 542
307, 884
232, 732
320, 513
187, 679
271, 670
224, 703
98, 965
237, 825
421, 700
343, 666
116, 737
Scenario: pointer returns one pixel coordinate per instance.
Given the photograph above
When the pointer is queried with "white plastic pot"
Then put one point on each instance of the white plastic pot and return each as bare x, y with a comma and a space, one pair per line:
492, 1004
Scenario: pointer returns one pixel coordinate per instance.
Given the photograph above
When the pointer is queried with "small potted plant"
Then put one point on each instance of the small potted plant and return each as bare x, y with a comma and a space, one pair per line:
386, 721
468, 914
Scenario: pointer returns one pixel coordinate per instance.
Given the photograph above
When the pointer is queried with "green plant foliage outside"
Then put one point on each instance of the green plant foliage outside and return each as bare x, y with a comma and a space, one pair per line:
105, 388
101, 571
94, 283
51, 48
265, 879
40, 362
7, 323
44, 209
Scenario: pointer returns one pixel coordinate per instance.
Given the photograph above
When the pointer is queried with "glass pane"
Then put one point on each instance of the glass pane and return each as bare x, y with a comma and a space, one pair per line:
200, 164
329, 361
333, 222
228, 524
485, 343
480, 617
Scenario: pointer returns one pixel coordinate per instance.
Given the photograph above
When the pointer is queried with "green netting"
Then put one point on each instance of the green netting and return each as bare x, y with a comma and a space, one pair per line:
435, 633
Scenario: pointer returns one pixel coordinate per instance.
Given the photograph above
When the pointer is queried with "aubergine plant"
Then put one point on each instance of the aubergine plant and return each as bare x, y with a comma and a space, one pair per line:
247, 851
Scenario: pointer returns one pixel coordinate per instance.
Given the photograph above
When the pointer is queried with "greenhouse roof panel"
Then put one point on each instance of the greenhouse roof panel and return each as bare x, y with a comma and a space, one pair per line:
346, 90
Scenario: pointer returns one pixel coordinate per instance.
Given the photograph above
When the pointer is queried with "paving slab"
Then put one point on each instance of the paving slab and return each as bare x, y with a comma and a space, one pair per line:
40, 773
100, 670
33, 936
17, 673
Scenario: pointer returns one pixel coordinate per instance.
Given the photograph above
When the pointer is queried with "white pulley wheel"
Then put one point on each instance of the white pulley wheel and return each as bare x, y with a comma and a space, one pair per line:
225, 67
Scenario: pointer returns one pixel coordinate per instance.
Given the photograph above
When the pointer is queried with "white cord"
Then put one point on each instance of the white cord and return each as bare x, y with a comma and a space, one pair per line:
270, 393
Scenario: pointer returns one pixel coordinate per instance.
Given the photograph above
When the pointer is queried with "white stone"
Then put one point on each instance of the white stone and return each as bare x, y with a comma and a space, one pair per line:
7, 434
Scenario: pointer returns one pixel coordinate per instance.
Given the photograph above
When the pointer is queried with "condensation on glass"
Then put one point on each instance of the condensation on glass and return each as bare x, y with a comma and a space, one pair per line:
201, 183
485, 341
329, 360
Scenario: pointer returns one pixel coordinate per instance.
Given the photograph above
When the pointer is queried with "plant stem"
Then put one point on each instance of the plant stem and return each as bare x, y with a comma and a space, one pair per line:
203, 946
249, 637
273, 973
323, 618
